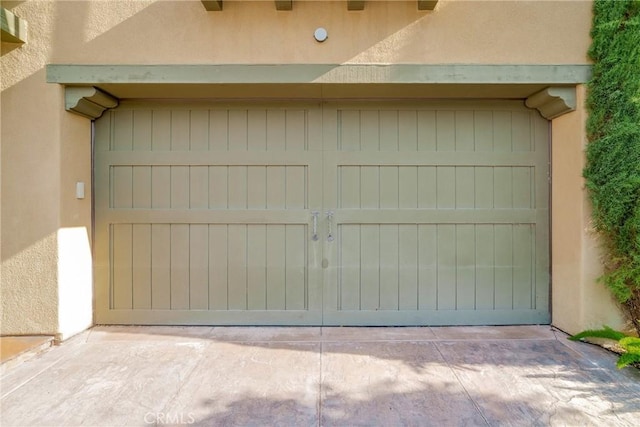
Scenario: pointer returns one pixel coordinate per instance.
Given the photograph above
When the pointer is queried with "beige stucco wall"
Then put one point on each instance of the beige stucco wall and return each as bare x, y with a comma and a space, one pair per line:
45, 286
45, 232
578, 300
176, 32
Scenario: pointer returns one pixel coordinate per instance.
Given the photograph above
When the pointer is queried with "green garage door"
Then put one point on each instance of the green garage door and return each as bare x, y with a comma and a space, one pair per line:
310, 214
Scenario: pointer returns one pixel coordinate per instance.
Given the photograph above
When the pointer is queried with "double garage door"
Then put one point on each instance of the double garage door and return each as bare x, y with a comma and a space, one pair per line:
322, 214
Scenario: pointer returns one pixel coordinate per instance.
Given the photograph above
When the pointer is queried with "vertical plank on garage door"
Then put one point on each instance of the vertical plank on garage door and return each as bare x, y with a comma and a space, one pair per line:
218, 263
445, 131
142, 130
122, 177
141, 261
160, 266
198, 187
504, 266
389, 187
349, 122
276, 187
198, 266
276, 267
465, 267
502, 131
502, 187
123, 130
257, 129
276, 130
180, 187
407, 130
296, 137
389, 267
122, 266
485, 264
523, 188
428, 267
161, 130
219, 130
369, 130
427, 191
179, 266
256, 187
237, 267
141, 176
257, 265
408, 267
180, 130
350, 260
389, 130
464, 128
426, 131
160, 182
218, 187
446, 237
238, 130
370, 267
370, 187
295, 242
408, 187
523, 265
483, 186
237, 187
199, 130
465, 187
296, 190
483, 130
349, 187
521, 131
446, 187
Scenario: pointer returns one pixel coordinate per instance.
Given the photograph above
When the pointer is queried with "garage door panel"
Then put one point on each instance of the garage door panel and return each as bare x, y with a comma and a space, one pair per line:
122, 287
202, 267
199, 267
483, 130
180, 281
440, 214
142, 264
388, 187
160, 266
426, 137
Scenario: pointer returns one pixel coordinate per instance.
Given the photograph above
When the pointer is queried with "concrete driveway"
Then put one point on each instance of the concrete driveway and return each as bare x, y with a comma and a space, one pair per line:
137, 376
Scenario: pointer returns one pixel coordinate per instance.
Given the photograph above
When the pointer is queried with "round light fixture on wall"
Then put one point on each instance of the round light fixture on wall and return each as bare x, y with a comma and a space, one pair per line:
320, 34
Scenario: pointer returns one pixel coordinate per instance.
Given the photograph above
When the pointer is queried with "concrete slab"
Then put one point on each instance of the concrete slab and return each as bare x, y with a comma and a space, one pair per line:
139, 376
247, 384
391, 384
349, 334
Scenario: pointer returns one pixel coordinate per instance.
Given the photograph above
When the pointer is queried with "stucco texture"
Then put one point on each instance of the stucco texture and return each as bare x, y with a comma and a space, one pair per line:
45, 151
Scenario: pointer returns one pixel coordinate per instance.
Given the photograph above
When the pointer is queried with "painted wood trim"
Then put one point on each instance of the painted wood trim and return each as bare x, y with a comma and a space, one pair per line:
284, 4
212, 5
355, 4
75, 74
553, 102
12, 28
427, 4
89, 102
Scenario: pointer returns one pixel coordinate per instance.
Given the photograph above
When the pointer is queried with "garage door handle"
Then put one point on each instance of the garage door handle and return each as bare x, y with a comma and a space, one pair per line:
315, 225
329, 221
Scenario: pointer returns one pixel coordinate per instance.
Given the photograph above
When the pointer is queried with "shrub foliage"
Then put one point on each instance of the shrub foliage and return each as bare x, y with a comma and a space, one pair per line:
612, 172
629, 345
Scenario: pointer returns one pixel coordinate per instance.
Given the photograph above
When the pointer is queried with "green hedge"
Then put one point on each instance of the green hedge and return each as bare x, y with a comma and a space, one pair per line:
613, 153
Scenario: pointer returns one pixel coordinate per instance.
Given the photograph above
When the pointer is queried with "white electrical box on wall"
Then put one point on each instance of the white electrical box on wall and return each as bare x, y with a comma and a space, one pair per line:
79, 190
